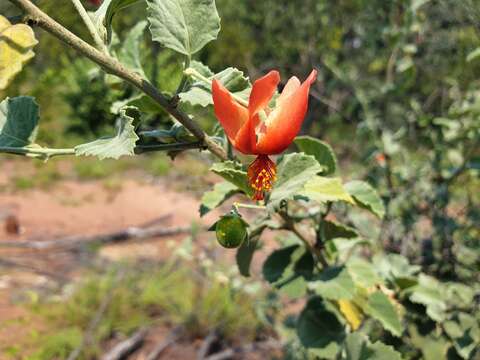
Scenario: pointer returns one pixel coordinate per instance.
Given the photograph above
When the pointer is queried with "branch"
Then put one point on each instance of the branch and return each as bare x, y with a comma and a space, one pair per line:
90, 26
127, 347
35, 16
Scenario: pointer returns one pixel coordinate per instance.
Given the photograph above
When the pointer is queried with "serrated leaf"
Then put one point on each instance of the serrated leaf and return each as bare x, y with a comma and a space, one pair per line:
16, 44
103, 17
200, 93
359, 347
18, 121
319, 329
232, 173
185, 26
380, 351
363, 273
366, 197
381, 308
430, 292
323, 189
293, 172
322, 151
211, 199
351, 312
123, 143
334, 283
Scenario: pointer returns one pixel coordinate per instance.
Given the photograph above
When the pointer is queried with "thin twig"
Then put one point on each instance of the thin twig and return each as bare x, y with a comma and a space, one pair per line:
126, 347
174, 335
90, 26
112, 66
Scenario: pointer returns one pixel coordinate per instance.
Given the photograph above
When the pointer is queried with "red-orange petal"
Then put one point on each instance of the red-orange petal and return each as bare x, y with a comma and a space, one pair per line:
231, 114
262, 92
285, 121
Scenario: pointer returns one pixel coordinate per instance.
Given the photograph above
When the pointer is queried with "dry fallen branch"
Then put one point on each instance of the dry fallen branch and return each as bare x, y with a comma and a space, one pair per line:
157, 351
102, 239
231, 352
126, 347
10, 263
207, 344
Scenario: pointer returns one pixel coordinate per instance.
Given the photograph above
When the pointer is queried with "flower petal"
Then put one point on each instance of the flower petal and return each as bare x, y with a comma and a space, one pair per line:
262, 91
284, 123
231, 114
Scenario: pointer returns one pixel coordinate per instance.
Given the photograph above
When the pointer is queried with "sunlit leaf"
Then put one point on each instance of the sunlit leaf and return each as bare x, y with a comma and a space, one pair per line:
234, 174
366, 196
123, 143
381, 308
129, 53
18, 121
334, 283
363, 273
351, 312
185, 26
320, 150
293, 172
323, 189
16, 44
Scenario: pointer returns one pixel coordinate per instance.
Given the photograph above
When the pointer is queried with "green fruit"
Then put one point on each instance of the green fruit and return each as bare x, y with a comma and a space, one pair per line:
231, 231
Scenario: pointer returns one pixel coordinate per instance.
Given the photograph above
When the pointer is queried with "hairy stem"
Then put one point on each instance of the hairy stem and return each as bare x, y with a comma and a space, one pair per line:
100, 45
112, 66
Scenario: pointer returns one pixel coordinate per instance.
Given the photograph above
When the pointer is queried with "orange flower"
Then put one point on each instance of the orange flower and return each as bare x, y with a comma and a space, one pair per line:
257, 129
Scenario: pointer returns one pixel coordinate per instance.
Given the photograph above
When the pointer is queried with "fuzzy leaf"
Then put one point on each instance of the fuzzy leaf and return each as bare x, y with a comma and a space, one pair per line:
293, 172
185, 26
123, 143
334, 283
323, 189
211, 199
18, 121
232, 173
382, 309
103, 17
16, 44
333, 230
244, 256
129, 53
320, 150
366, 197
201, 94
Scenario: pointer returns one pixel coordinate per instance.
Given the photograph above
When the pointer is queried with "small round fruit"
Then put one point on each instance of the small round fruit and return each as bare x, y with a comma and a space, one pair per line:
231, 231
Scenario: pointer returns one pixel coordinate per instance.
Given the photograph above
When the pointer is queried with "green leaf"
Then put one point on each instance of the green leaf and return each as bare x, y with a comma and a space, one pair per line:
102, 18
18, 121
185, 26
366, 197
431, 293
359, 347
323, 189
244, 256
334, 283
319, 329
320, 150
334, 230
277, 263
293, 172
123, 143
16, 44
129, 53
363, 273
211, 199
200, 93
381, 308
234, 174
473, 55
